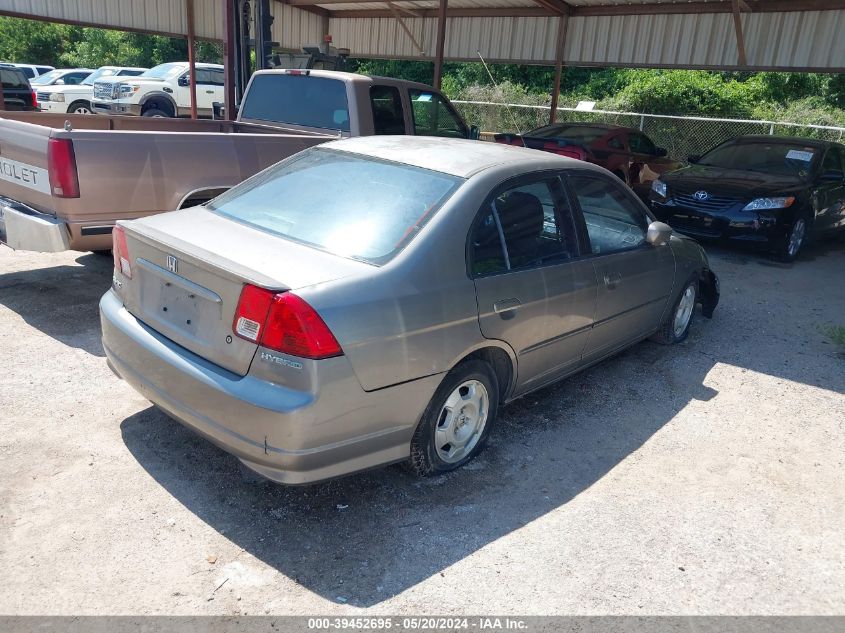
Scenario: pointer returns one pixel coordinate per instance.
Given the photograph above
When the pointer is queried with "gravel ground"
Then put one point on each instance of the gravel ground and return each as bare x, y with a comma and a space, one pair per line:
705, 478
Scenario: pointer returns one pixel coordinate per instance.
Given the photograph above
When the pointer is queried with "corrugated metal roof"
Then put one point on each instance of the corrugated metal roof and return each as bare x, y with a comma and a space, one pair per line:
787, 40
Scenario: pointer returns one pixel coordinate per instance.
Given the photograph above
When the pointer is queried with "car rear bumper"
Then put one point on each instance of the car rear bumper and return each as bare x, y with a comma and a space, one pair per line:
287, 435
24, 228
763, 229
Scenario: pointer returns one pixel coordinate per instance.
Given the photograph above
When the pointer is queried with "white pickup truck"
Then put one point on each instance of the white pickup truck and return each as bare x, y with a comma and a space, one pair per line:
162, 91
75, 98
65, 179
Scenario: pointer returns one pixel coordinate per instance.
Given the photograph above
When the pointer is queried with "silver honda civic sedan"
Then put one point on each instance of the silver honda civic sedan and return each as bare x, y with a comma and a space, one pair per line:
376, 300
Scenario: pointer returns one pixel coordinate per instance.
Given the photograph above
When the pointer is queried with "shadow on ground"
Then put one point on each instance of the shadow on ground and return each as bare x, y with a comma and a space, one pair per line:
368, 537
61, 301
371, 536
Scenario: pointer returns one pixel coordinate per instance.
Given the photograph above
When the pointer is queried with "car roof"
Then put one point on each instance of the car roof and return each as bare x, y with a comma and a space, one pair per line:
458, 157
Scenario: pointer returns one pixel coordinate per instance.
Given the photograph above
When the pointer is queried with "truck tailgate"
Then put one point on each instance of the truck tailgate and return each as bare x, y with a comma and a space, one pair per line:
23, 163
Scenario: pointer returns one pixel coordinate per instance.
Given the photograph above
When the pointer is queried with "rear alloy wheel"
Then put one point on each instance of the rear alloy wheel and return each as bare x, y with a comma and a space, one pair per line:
796, 239
457, 421
675, 327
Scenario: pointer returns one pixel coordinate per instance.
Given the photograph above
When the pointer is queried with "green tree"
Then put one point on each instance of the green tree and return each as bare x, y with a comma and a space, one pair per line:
33, 42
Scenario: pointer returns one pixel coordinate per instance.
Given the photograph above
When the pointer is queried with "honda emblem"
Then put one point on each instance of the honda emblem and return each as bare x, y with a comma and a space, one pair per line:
172, 264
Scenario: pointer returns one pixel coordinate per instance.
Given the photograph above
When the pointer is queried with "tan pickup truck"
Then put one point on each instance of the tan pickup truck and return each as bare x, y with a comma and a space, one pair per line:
66, 179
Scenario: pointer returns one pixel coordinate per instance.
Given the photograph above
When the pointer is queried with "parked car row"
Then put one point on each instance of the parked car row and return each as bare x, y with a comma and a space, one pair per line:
770, 192
162, 91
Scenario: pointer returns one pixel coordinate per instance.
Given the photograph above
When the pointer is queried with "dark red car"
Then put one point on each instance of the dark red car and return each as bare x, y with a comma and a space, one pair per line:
626, 152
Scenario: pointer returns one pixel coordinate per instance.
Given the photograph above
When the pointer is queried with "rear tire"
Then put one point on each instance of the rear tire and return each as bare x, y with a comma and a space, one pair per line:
457, 421
156, 113
676, 325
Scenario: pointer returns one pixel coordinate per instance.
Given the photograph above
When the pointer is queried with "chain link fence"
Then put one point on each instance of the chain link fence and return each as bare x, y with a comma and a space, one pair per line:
681, 136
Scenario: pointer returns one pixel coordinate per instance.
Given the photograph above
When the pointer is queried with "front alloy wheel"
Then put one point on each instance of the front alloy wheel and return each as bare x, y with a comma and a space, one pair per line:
796, 239
676, 323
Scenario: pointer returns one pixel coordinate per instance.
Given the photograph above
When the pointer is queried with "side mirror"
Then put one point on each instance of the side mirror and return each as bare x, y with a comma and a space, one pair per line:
833, 175
660, 152
658, 233
692, 159
60, 82
184, 81
474, 133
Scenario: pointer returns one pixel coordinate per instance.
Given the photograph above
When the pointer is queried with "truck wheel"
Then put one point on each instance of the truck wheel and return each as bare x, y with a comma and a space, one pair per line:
457, 421
155, 112
79, 107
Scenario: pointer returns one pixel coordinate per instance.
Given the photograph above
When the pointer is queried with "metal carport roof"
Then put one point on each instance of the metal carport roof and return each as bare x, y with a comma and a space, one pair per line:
793, 35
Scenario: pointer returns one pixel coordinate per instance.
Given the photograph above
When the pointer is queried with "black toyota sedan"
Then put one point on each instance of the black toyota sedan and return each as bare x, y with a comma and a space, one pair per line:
773, 192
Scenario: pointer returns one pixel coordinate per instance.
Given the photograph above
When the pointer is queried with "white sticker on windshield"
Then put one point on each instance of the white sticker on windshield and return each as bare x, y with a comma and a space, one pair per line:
798, 154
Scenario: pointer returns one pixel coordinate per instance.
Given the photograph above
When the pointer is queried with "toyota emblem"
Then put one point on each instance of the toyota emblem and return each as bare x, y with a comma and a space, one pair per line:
701, 195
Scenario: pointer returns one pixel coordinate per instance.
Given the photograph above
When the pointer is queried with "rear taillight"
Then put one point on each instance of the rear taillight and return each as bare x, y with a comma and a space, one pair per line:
61, 166
251, 314
120, 252
34, 99
283, 322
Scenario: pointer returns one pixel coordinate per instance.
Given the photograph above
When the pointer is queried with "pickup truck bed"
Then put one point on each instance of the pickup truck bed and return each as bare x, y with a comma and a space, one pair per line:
125, 168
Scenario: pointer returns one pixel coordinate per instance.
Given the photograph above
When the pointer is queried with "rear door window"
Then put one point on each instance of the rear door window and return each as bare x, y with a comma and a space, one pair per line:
298, 100
388, 115
434, 116
523, 226
209, 76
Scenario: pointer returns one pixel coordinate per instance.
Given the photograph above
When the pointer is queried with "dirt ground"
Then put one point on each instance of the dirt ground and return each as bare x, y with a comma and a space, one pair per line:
705, 478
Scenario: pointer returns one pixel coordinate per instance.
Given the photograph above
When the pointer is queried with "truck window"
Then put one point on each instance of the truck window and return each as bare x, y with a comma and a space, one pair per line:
434, 116
297, 100
209, 77
388, 116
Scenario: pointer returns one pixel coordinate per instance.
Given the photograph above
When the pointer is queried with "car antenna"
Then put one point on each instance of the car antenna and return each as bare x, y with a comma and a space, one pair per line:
507, 106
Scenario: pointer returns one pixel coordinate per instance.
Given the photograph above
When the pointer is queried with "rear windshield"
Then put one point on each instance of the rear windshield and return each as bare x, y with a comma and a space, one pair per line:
784, 159
298, 100
582, 134
346, 204
13, 79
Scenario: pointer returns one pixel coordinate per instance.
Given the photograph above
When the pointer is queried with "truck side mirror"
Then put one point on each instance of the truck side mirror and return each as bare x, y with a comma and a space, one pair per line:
660, 152
184, 81
474, 133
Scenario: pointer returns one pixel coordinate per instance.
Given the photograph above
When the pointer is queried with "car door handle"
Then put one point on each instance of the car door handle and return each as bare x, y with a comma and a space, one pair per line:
505, 305
611, 280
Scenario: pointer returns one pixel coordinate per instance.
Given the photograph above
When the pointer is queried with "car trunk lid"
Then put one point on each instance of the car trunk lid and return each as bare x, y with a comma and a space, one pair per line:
188, 271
